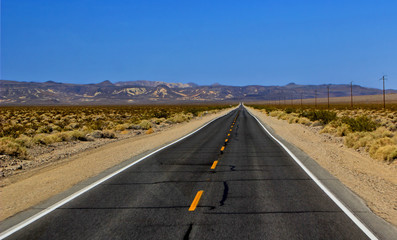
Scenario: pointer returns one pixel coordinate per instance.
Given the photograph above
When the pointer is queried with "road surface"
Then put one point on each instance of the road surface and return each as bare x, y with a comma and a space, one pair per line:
255, 190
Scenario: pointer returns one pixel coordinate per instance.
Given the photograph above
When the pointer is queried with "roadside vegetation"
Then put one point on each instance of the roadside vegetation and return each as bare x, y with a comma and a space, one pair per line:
22, 128
364, 127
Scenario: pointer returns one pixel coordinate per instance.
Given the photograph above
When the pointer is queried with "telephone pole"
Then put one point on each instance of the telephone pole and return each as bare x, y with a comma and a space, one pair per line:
351, 94
384, 92
328, 96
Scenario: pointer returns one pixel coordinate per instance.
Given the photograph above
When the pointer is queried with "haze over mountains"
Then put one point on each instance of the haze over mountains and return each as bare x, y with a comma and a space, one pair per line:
146, 92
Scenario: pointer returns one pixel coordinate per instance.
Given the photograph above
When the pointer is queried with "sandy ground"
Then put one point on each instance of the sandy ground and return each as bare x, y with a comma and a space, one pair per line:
19, 192
374, 181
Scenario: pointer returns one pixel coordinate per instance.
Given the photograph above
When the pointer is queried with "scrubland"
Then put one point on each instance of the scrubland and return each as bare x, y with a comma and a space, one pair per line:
23, 129
366, 127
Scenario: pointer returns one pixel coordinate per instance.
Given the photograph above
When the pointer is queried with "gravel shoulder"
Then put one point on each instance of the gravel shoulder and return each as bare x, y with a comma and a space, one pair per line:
22, 191
374, 181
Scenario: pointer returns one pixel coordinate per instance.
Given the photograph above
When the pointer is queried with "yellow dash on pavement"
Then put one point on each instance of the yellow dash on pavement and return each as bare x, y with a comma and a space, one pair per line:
230, 130
222, 148
214, 165
228, 134
196, 201
226, 140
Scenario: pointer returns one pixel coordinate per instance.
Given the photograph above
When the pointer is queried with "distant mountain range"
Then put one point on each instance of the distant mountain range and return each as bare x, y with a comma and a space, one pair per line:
144, 92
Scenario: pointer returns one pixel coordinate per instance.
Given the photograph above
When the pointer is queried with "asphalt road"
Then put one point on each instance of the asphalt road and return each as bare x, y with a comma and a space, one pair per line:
255, 191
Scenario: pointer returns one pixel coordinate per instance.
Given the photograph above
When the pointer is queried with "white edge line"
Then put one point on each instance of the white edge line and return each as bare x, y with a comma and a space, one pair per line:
322, 186
46, 211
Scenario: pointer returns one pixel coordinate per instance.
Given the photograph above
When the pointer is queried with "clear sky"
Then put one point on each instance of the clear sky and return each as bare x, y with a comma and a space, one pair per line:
228, 42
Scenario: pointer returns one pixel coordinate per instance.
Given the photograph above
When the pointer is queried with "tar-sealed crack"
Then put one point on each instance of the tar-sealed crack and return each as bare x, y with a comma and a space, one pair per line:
232, 168
225, 193
186, 237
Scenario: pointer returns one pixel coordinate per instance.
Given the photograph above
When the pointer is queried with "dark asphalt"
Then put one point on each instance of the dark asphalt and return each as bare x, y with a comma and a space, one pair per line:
255, 192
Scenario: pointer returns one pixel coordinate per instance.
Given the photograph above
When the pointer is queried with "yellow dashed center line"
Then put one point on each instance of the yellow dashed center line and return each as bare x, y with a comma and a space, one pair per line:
226, 140
196, 201
222, 148
214, 165
230, 130
228, 134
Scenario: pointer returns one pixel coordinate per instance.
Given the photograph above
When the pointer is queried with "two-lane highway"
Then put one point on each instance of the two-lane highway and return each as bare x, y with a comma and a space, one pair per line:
255, 190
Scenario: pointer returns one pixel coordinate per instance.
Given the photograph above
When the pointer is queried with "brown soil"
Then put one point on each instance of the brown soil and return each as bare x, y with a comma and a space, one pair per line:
374, 181
34, 185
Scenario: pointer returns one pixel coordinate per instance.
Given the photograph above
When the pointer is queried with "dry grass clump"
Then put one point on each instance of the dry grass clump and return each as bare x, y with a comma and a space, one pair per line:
180, 117
12, 148
369, 128
380, 144
145, 124
25, 127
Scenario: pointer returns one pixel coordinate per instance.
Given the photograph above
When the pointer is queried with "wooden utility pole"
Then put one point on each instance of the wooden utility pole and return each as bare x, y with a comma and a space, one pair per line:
328, 96
384, 93
351, 94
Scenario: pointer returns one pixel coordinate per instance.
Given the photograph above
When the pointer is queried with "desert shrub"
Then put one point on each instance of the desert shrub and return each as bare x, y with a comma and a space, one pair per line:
73, 125
360, 124
145, 124
304, 121
12, 148
359, 139
289, 110
377, 143
276, 113
78, 135
293, 120
157, 120
24, 140
342, 130
328, 129
319, 115
162, 113
41, 139
97, 134
108, 134
386, 153
97, 124
181, 117
121, 127
267, 108
194, 111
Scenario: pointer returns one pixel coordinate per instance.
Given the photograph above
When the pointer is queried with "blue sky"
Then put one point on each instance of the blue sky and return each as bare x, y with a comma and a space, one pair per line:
228, 42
